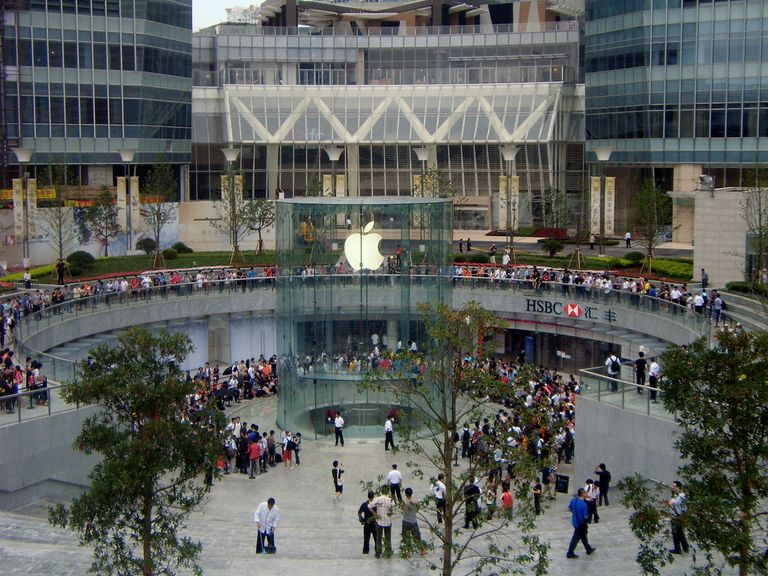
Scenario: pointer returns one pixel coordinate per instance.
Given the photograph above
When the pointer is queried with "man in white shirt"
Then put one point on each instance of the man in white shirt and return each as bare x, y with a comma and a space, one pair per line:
338, 428
267, 516
382, 510
389, 439
438, 491
614, 367
654, 372
395, 479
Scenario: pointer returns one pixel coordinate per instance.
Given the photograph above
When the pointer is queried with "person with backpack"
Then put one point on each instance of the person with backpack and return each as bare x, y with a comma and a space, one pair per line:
614, 367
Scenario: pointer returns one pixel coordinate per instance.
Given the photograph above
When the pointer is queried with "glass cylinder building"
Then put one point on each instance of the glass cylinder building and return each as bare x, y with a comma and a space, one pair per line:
352, 273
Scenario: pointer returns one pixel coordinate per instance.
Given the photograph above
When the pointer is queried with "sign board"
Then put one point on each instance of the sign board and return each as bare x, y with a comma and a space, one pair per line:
610, 204
594, 205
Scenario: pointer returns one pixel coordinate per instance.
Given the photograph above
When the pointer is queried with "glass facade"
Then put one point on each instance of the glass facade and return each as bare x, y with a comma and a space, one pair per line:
678, 82
331, 317
85, 79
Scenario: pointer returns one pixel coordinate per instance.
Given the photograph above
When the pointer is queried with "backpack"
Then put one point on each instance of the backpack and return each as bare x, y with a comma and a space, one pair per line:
615, 364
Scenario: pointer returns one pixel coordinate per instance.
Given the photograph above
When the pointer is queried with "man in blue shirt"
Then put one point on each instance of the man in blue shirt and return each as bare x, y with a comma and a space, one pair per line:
579, 516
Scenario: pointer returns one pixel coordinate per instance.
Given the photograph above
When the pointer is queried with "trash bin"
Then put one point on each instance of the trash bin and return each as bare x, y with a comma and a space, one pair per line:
561, 483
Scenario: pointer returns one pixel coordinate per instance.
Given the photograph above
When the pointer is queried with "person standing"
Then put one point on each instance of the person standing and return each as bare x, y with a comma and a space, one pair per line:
604, 477
368, 520
592, 494
469, 245
579, 516
338, 482
677, 510
382, 510
591, 241
254, 455
438, 491
267, 516
614, 368
654, 372
338, 429
61, 267
471, 503
395, 479
461, 245
410, 535
704, 279
389, 439
492, 253
628, 239
640, 365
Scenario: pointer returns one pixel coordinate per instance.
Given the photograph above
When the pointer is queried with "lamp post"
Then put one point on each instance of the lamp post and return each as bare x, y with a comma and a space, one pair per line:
508, 153
230, 155
423, 155
334, 154
24, 155
603, 155
127, 155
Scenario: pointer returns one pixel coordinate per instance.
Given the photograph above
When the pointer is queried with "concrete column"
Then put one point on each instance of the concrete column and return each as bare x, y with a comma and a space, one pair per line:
392, 335
219, 349
273, 170
352, 154
184, 182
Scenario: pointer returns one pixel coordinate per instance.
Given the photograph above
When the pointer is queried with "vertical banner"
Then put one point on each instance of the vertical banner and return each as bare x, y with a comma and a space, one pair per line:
509, 202
514, 200
136, 220
327, 185
610, 204
32, 206
594, 205
18, 209
122, 217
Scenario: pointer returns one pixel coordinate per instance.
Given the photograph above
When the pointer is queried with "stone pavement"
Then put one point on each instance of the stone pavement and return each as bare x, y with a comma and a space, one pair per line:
316, 537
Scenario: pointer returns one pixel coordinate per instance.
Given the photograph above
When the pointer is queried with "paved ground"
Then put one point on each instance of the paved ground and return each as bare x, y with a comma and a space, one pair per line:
316, 537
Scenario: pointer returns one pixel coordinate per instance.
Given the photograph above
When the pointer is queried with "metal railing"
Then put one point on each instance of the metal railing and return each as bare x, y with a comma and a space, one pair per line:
31, 404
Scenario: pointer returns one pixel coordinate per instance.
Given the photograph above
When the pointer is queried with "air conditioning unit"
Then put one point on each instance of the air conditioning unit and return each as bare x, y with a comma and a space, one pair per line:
706, 183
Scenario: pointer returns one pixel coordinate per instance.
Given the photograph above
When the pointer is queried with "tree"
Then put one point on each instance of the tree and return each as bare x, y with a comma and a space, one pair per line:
160, 190
653, 210
754, 208
147, 483
99, 221
260, 214
58, 220
553, 211
444, 387
434, 183
232, 212
720, 400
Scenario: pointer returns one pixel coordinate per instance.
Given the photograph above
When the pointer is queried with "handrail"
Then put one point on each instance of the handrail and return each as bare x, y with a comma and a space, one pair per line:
14, 408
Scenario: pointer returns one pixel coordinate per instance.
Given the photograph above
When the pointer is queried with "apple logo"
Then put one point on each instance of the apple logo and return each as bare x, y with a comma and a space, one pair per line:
362, 250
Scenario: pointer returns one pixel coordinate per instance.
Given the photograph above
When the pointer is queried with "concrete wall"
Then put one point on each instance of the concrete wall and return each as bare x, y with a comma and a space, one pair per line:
38, 461
198, 231
627, 442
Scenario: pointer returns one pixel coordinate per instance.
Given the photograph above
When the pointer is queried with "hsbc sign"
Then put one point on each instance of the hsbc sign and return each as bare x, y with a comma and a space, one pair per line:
571, 310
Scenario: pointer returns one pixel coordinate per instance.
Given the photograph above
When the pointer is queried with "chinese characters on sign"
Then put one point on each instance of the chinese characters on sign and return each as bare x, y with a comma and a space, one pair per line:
610, 202
594, 205
571, 310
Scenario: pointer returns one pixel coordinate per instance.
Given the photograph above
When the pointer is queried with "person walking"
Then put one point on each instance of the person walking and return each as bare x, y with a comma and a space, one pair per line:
267, 516
438, 491
382, 508
461, 245
677, 510
614, 368
654, 372
389, 439
338, 429
337, 473
604, 477
410, 535
395, 479
368, 520
592, 494
579, 516
640, 365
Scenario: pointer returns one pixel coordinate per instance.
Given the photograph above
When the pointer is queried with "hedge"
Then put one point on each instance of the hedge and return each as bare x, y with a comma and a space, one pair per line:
752, 288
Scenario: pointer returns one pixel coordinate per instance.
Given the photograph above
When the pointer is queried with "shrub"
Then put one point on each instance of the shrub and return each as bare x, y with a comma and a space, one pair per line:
752, 288
558, 233
635, 257
81, 258
672, 269
552, 246
74, 270
182, 248
146, 245
170, 254
478, 258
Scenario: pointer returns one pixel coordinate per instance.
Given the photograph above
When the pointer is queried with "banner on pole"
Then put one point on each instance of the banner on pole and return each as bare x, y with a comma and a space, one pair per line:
594, 205
18, 208
32, 206
610, 204
122, 217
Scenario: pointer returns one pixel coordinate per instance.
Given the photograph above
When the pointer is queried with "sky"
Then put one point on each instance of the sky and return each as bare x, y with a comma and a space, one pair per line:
210, 12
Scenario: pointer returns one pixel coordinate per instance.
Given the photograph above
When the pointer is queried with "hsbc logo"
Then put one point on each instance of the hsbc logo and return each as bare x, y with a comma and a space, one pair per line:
573, 310
570, 310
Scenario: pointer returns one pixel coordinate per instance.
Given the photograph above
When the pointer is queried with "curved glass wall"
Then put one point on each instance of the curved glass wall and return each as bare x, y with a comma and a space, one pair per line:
334, 256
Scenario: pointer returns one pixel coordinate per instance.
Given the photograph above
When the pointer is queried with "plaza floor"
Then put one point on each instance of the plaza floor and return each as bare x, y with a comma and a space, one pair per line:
316, 537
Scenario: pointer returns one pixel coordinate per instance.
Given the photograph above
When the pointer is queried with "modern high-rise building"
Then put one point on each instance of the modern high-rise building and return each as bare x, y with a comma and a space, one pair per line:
678, 89
362, 98
82, 79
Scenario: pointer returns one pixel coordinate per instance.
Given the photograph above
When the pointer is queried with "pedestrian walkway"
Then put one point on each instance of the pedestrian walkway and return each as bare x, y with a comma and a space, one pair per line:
315, 537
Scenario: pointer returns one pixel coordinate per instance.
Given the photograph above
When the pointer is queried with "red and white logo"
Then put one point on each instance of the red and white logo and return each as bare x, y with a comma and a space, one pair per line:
573, 310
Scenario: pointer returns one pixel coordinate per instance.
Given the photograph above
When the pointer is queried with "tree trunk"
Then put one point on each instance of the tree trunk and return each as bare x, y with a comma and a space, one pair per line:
146, 536
449, 506
261, 243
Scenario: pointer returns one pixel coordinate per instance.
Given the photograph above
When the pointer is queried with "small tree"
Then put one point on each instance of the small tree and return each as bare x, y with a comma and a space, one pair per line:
434, 183
720, 400
57, 221
754, 208
232, 212
99, 221
147, 482
260, 214
553, 210
653, 210
314, 188
160, 190
445, 386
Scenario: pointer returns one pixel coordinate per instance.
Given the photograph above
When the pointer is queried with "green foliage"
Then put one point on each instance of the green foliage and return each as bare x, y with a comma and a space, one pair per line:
720, 399
652, 210
81, 258
682, 270
182, 248
552, 246
634, 257
170, 254
146, 245
99, 221
748, 288
75, 270
147, 482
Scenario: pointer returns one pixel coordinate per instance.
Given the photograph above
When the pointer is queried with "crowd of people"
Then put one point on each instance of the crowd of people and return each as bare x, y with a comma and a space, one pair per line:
16, 379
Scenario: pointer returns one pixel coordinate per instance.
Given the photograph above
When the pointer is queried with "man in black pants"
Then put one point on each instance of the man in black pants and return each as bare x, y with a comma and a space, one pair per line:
640, 365
368, 520
579, 516
604, 477
338, 429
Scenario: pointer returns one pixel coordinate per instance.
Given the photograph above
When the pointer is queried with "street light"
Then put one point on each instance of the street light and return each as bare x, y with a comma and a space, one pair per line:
127, 155
508, 153
423, 155
334, 154
24, 155
603, 155
230, 155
